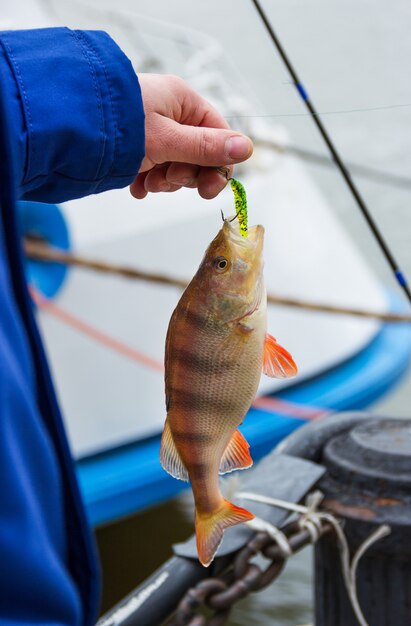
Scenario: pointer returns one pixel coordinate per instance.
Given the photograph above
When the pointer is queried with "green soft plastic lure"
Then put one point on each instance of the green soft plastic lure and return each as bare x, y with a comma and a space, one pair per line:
240, 200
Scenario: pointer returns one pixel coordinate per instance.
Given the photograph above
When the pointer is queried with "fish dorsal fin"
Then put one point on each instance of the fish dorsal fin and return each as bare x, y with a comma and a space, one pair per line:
277, 362
236, 454
169, 456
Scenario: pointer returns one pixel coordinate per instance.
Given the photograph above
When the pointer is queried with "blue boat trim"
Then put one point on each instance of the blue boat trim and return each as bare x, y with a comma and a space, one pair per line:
47, 222
130, 478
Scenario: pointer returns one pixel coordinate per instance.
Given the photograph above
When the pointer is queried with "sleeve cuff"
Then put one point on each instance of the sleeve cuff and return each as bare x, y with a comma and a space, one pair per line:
82, 110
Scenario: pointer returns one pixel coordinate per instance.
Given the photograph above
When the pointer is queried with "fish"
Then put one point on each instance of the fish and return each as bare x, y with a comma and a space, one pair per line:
216, 347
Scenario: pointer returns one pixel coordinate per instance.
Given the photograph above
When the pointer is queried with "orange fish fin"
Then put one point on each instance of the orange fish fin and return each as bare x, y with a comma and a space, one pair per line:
277, 362
169, 456
210, 528
236, 454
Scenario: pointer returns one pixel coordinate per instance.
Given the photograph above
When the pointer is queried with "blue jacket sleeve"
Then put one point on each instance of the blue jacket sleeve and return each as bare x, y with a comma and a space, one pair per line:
75, 111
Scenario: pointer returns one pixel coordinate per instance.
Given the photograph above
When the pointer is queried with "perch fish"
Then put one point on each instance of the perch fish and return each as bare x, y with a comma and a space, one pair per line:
216, 347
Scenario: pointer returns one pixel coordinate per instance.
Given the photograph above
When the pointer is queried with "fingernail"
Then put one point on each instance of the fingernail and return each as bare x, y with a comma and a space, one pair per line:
238, 147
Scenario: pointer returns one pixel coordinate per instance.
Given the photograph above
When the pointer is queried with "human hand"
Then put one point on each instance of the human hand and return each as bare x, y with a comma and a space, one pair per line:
186, 139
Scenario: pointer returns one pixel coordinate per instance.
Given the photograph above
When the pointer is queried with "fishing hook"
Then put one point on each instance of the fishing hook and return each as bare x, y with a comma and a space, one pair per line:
224, 171
232, 219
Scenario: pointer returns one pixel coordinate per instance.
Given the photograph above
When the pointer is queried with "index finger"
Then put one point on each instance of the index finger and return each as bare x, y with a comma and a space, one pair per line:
197, 111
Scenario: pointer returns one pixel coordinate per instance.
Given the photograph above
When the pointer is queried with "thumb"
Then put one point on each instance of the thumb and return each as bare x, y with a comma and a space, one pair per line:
199, 145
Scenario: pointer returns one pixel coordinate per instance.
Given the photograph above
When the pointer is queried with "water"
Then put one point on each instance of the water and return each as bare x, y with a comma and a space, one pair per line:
353, 57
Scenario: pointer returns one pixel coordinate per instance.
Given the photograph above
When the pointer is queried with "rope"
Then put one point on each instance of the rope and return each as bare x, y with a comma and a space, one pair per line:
273, 405
293, 409
312, 520
94, 333
260, 525
39, 251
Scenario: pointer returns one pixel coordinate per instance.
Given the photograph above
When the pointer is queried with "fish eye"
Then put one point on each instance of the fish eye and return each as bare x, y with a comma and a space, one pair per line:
220, 263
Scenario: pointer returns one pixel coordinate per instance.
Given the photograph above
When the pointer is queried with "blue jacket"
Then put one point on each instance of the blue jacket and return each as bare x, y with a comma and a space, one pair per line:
71, 124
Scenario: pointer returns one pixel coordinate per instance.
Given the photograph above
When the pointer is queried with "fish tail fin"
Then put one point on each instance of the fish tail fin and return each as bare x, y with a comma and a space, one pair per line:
210, 528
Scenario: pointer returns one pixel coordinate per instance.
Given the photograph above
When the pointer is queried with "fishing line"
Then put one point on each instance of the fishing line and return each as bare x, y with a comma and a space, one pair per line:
335, 112
370, 173
399, 275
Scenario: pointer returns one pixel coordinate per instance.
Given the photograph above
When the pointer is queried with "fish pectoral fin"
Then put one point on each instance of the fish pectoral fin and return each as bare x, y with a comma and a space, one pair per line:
169, 456
210, 528
277, 362
236, 454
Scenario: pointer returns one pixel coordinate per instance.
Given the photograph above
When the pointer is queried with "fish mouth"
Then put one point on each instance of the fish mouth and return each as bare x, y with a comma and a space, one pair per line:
249, 248
255, 234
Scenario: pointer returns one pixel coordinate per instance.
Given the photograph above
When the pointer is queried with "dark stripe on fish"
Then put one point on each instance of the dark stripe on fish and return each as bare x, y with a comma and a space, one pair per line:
197, 320
200, 321
199, 363
198, 470
186, 400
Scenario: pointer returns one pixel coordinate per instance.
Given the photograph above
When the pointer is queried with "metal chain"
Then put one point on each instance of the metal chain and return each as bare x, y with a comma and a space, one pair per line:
243, 577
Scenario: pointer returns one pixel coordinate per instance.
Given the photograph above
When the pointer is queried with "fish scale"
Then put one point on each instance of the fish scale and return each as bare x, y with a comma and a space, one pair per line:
217, 383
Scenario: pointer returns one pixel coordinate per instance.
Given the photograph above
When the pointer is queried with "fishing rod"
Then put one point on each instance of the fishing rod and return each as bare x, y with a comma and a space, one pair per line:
398, 273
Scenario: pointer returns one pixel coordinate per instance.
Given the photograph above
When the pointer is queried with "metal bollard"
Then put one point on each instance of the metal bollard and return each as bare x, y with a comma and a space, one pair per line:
368, 483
